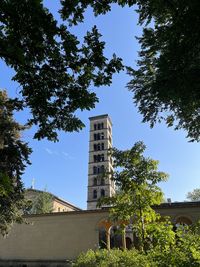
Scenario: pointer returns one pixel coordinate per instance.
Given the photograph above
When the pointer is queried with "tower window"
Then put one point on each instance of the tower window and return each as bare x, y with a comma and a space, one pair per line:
97, 136
102, 157
95, 181
95, 194
94, 170
98, 158
95, 158
102, 193
95, 126
102, 146
98, 147
102, 136
102, 181
102, 168
100, 126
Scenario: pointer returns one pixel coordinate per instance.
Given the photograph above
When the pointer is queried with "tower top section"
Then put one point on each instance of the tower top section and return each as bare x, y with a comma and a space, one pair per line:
99, 117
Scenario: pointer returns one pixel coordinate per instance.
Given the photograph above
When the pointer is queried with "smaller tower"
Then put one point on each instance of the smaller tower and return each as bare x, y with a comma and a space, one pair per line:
99, 160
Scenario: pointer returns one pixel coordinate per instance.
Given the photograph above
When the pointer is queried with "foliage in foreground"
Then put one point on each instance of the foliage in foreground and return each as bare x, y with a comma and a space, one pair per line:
166, 82
185, 252
111, 258
55, 69
134, 258
14, 156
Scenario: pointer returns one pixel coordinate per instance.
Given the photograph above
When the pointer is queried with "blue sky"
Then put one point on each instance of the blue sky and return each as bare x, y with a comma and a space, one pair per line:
62, 167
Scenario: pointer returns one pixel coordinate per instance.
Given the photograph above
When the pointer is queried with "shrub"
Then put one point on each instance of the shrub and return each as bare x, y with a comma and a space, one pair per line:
112, 258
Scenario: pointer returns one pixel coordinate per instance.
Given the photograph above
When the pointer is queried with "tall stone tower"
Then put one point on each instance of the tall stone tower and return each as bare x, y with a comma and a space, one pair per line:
99, 160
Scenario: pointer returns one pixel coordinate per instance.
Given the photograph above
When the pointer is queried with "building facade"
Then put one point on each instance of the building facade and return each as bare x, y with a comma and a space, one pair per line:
58, 204
100, 160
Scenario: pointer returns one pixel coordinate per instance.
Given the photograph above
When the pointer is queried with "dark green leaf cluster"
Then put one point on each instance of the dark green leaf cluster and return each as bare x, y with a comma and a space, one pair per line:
166, 84
54, 69
73, 11
13, 159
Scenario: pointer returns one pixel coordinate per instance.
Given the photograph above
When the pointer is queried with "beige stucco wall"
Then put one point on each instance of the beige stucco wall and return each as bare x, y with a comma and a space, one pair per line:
60, 207
191, 212
52, 237
61, 236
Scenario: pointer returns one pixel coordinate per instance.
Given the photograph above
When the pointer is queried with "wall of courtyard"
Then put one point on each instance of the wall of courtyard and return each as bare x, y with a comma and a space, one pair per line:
59, 236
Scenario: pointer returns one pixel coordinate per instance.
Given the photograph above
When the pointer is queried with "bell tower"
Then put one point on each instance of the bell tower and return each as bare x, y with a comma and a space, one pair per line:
100, 161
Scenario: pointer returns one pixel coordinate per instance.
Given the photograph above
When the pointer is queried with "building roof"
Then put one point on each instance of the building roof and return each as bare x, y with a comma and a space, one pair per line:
106, 209
58, 199
185, 204
101, 117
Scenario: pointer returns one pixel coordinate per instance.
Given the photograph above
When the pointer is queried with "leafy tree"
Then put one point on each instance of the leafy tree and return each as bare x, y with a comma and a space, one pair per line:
166, 84
185, 252
43, 203
194, 195
53, 68
13, 159
137, 178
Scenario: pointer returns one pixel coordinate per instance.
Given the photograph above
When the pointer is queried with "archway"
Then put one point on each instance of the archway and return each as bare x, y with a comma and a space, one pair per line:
183, 220
129, 242
115, 237
102, 238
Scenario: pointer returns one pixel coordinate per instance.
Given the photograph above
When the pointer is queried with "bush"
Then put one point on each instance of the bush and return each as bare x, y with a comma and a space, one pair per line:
112, 258
174, 257
184, 252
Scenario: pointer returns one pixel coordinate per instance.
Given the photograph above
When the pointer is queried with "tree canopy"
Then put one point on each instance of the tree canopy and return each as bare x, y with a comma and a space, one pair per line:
53, 68
194, 195
14, 155
166, 84
42, 203
137, 177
